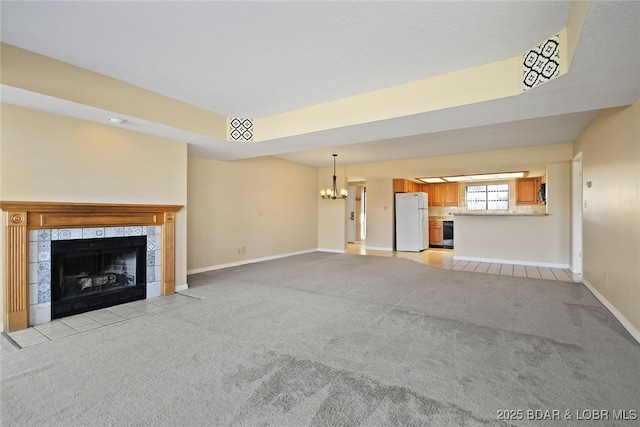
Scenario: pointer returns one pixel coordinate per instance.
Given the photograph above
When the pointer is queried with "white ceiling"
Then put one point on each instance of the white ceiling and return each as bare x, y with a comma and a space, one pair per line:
256, 59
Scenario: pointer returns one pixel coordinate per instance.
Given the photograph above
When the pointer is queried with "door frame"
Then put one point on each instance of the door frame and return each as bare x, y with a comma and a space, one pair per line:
576, 214
351, 214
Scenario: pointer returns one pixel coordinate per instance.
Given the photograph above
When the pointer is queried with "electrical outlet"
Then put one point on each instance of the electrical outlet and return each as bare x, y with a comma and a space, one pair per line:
238, 250
606, 277
243, 249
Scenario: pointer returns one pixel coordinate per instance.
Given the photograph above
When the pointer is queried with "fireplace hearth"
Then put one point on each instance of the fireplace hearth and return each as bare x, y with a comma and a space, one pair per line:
90, 274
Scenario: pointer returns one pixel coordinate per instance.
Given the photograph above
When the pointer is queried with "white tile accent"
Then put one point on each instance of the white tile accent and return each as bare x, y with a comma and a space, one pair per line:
93, 233
39, 272
33, 250
69, 233
40, 313
33, 235
33, 293
44, 292
153, 290
114, 232
39, 251
133, 231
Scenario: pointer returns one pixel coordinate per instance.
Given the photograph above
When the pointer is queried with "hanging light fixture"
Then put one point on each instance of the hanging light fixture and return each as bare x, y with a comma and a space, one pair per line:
332, 193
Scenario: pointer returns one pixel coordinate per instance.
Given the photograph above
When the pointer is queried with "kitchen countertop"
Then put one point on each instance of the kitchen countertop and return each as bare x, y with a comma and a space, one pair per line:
441, 218
498, 214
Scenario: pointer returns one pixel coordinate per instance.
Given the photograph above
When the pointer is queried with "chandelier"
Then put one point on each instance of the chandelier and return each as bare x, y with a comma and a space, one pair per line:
332, 193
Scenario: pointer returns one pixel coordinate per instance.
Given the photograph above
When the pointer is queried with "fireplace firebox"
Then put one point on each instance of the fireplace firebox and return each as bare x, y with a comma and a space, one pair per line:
89, 274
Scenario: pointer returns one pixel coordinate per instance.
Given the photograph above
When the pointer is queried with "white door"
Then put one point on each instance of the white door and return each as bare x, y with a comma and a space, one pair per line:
351, 214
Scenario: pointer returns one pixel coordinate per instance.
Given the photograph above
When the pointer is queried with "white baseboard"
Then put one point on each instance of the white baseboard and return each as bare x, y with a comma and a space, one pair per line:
510, 261
182, 287
377, 248
635, 333
248, 261
333, 251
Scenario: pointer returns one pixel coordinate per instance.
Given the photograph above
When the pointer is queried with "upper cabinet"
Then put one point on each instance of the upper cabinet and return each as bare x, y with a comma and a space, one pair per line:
449, 194
527, 191
435, 193
441, 194
405, 186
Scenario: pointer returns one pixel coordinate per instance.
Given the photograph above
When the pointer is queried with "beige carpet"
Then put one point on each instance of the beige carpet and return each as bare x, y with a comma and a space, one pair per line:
335, 340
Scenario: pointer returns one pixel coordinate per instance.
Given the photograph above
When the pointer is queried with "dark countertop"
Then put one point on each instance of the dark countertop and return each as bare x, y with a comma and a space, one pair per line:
441, 218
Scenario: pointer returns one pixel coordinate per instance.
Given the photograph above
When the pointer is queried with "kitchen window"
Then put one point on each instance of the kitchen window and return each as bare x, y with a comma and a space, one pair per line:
493, 197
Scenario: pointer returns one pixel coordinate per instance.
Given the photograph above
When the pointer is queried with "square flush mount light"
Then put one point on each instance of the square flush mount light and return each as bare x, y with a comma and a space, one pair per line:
456, 178
485, 177
510, 175
431, 180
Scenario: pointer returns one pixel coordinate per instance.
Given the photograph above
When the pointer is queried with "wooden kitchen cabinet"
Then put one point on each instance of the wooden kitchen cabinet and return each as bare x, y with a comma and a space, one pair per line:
442, 194
527, 191
435, 195
450, 194
405, 186
436, 237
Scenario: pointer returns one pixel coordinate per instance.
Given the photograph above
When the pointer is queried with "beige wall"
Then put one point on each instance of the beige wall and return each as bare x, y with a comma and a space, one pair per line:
380, 216
50, 158
267, 206
477, 163
332, 225
610, 147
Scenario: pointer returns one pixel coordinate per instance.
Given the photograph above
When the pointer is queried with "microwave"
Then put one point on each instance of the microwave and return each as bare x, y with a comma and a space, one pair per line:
542, 193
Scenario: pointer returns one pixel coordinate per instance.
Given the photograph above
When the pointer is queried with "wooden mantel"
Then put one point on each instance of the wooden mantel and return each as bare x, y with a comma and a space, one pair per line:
25, 216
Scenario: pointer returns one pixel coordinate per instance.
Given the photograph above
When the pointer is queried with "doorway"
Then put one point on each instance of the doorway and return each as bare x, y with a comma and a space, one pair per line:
357, 212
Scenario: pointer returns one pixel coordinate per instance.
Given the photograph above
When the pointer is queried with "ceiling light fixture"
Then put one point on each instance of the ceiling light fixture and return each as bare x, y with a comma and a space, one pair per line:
431, 180
332, 193
510, 175
117, 120
455, 178
485, 177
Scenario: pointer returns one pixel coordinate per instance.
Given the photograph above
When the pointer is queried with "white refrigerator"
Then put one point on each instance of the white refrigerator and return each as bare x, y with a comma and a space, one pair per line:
412, 222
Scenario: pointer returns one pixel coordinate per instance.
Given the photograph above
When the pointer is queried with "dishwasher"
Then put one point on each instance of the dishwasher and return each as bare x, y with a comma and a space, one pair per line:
447, 234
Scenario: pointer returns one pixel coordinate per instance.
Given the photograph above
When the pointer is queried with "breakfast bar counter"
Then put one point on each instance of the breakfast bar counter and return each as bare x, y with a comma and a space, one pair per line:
511, 238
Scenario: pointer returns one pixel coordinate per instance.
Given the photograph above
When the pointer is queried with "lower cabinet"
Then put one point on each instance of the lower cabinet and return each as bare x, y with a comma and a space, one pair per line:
435, 233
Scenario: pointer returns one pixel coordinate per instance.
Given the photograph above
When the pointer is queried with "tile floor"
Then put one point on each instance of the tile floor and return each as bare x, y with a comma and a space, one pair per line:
60, 328
443, 258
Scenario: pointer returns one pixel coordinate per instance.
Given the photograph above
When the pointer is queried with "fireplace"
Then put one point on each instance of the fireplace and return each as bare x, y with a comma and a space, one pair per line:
32, 227
90, 274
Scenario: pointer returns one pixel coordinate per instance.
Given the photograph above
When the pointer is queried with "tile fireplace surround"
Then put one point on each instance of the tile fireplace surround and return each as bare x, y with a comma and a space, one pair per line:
31, 226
